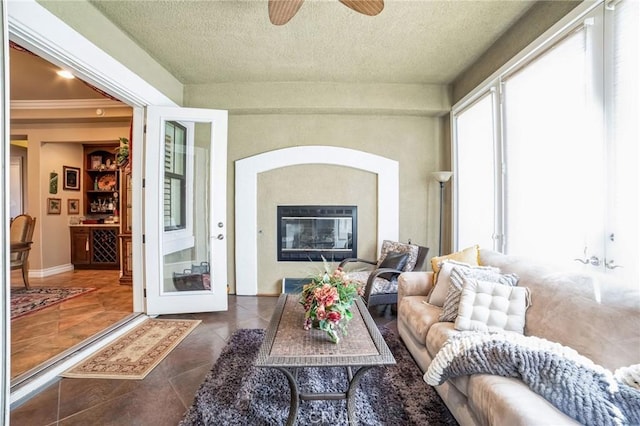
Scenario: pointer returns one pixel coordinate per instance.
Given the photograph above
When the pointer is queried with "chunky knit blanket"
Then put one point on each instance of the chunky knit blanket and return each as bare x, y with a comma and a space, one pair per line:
579, 388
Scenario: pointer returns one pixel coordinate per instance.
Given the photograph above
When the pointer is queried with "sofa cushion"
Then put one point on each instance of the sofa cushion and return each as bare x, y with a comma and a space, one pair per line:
438, 334
491, 306
500, 400
458, 274
418, 315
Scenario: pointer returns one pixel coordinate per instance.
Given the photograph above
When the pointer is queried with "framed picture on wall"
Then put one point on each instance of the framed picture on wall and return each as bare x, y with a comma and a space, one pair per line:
73, 206
54, 205
71, 179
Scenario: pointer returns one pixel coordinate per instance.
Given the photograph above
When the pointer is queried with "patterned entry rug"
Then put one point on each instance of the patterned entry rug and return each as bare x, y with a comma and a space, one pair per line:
235, 392
25, 302
135, 354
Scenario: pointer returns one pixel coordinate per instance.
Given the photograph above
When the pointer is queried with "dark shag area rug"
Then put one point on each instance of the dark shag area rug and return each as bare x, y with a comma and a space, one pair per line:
235, 392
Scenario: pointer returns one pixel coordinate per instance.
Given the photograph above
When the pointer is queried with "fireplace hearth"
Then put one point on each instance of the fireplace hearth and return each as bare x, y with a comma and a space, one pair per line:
309, 233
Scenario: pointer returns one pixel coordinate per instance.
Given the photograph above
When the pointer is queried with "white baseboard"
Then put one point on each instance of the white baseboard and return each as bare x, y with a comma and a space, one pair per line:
42, 273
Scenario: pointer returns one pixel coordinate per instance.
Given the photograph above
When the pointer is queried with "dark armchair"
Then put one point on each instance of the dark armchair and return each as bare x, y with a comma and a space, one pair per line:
22, 228
381, 282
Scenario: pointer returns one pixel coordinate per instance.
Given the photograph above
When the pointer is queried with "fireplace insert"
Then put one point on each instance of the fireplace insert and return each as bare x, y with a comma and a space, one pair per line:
309, 233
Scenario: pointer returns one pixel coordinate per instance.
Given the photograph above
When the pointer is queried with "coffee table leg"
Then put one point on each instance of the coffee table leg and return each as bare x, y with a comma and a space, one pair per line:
351, 393
295, 396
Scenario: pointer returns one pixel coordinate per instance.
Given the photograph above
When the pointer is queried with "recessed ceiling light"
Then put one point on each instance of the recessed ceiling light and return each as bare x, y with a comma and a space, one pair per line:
65, 74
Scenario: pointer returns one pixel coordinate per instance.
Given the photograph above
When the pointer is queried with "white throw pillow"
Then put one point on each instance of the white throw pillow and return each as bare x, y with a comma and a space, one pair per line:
451, 302
490, 306
440, 289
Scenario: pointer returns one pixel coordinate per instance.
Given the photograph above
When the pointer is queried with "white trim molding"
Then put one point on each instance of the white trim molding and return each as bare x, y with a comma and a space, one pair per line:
246, 190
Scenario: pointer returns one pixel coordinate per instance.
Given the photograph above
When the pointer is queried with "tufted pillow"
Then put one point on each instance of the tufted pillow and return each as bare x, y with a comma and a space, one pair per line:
395, 261
490, 306
395, 247
456, 282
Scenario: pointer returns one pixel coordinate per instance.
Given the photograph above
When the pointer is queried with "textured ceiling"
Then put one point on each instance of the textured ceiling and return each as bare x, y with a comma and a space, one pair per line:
233, 41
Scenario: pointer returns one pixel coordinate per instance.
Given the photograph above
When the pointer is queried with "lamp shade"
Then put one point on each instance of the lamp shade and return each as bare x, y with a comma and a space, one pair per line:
442, 176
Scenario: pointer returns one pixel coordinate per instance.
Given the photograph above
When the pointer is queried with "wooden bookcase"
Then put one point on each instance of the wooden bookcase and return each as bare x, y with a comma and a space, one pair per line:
101, 182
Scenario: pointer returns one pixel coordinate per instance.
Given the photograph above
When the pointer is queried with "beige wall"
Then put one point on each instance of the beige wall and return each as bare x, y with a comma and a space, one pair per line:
407, 131
536, 21
308, 185
50, 147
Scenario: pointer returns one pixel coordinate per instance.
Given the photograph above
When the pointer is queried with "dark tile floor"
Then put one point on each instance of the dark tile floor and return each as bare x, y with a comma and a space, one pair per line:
166, 393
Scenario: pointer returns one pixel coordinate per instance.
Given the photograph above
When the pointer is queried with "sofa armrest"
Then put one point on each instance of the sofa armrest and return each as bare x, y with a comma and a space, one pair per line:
417, 283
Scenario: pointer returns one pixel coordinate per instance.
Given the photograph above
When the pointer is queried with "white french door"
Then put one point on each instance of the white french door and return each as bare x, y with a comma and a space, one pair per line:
185, 210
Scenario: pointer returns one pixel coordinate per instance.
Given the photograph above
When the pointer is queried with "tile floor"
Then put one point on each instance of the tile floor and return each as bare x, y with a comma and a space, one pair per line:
166, 393
42, 335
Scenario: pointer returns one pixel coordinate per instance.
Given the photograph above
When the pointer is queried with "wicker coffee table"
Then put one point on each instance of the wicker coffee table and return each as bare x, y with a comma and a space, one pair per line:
288, 347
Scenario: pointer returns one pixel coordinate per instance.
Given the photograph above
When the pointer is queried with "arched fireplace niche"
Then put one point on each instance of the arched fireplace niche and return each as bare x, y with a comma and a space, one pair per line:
246, 187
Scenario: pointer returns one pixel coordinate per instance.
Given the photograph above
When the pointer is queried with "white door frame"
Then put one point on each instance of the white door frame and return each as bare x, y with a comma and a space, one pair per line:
35, 28
4, 215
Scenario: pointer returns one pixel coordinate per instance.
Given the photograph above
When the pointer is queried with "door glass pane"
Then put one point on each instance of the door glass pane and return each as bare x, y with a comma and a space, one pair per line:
475, 174
175, 165
553, 151
187, 195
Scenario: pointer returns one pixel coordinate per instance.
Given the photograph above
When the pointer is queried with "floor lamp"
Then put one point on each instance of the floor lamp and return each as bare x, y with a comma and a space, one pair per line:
442, 177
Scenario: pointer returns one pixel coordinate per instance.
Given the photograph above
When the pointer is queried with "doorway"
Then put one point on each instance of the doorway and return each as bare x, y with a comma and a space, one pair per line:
53, 121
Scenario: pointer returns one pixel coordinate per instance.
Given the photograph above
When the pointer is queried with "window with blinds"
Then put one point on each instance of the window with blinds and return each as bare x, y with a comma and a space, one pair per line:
561, 179
475, 156
552, 152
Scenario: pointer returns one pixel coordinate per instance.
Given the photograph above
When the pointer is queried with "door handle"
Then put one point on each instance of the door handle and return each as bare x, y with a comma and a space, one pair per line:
593, 260
611, 264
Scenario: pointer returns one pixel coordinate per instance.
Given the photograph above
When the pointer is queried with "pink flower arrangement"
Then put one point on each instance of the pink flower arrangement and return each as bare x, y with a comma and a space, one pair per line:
327, 300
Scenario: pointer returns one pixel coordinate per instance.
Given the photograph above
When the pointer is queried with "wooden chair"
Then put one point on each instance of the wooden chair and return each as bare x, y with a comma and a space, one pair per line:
22, 228
381, 283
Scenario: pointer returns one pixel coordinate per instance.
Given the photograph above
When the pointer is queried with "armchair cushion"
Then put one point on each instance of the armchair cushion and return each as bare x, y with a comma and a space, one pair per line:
396, 247
393, 260
380, 285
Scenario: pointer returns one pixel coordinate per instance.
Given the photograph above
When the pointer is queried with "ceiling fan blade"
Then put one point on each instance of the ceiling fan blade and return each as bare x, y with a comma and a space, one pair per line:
366, 7
281, 11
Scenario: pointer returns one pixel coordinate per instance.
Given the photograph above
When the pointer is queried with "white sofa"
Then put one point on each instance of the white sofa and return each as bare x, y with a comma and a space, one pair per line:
597, 319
